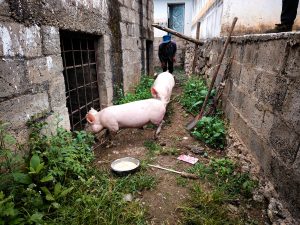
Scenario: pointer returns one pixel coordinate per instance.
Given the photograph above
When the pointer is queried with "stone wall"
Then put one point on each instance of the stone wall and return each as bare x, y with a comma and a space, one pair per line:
262, 102
31, 77
180, 54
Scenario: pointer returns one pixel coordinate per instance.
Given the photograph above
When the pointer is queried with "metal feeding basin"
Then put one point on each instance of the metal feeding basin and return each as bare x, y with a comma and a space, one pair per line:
125, 165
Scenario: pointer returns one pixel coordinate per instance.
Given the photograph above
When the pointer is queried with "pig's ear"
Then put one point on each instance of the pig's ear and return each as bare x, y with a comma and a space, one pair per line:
90, 118
153, 91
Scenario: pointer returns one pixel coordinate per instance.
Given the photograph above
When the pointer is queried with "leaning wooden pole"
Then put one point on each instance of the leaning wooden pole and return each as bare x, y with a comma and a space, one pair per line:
193, 123
178, 34
196, 48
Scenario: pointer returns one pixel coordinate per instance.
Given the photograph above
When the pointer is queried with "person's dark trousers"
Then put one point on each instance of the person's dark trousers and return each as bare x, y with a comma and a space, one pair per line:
289, 11
168, 65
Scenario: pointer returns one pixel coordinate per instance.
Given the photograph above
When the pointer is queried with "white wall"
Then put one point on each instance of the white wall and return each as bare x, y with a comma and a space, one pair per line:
254, 16
161, 15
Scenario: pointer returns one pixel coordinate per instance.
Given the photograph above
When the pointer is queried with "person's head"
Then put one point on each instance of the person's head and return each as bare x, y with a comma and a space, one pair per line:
166, 38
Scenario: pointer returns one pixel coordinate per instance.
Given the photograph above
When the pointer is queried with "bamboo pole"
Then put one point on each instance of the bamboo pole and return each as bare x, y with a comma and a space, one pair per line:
196, 48
183, 174
178, 34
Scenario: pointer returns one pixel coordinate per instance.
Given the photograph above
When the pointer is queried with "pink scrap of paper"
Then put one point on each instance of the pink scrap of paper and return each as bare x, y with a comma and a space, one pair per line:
188, 159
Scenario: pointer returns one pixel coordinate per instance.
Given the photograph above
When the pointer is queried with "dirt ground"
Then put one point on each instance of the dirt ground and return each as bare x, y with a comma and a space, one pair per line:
163, 201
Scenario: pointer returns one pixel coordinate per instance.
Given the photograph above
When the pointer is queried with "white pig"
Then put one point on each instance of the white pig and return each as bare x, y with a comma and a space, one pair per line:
162, 87
130, 115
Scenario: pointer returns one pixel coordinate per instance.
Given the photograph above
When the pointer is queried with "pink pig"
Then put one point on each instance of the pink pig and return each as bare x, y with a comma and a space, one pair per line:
130, 115
162, 87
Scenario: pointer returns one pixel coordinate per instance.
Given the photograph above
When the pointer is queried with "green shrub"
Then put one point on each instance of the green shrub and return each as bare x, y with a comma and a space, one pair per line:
56, 183
211, 130
142, 91
194, 93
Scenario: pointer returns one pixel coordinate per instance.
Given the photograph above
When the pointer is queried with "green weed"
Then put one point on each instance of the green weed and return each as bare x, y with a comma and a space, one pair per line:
207, 208
211, 130
222, 173
56, 183
142, 91
153, 148
194, 93
182, 182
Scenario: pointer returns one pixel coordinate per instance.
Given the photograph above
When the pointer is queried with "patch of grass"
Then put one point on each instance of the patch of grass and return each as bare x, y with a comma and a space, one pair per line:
169, 151
225, 186
153, 147
156, 149
207, 208
222, 173
142, 91
211, 130
169, 113
182, 182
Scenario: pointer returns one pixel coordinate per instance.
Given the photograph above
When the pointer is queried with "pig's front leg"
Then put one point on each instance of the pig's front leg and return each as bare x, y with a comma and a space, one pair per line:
157, 132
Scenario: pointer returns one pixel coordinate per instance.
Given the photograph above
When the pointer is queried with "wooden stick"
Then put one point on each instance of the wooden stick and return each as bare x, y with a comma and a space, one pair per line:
196, 48
193, 123
183, 174
178, 34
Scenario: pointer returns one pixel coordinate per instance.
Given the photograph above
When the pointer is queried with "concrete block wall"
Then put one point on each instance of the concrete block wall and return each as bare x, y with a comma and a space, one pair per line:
31, 77
136, 29
262, 102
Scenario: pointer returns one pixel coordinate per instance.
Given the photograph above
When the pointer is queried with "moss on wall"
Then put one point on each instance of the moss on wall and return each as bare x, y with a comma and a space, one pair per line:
116, 58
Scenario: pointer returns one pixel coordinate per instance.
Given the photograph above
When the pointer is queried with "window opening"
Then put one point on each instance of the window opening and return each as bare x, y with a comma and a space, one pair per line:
80, 73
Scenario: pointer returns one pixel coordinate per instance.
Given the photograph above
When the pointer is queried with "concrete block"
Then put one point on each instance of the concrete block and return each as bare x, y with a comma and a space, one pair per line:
57, 92
291, 106
292, 68
237, 96
20, 109
129, 4
43, 69
51, 40
4, 9
248, 77
286, 180
12, 77
270, 55
250, 53
270, 89
267, 124
60, 117
252, 114
124, 14
235, 72
18, 40
284, 140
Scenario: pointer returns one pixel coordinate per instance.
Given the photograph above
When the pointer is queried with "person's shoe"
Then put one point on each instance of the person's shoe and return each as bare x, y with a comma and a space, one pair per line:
280, 28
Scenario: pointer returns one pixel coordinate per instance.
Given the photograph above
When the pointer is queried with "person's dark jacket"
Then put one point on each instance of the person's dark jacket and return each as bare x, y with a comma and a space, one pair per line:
167, 51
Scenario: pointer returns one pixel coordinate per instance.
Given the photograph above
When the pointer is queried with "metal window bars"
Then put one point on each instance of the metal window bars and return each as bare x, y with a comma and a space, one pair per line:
80, 73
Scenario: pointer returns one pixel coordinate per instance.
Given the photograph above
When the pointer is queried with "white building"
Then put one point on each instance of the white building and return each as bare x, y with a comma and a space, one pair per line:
254, 16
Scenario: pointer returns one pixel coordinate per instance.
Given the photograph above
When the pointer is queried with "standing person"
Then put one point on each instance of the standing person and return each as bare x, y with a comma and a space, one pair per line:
166, 53
287, 18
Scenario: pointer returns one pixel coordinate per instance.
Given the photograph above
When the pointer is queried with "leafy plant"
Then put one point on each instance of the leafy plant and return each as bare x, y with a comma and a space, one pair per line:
57, 183
8, 212
211, 130
194, 93
142, 91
